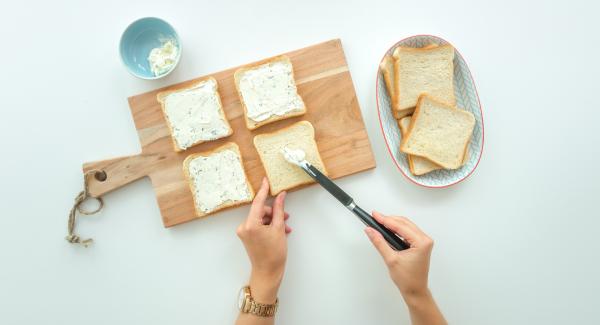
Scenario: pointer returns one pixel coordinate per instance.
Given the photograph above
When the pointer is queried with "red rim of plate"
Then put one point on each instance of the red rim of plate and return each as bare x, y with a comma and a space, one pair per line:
381, 124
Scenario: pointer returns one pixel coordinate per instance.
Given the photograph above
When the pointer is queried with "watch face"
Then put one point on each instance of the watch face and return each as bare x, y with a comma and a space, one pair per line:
241, 298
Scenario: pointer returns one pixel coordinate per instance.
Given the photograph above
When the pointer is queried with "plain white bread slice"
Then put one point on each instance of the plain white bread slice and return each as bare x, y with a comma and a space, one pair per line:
423, 71
268, 92
281, 174
417, 165
439, 132
194, 114
217, 179
387, 69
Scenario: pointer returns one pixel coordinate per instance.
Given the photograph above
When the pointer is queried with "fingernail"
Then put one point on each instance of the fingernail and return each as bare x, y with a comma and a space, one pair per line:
369, 232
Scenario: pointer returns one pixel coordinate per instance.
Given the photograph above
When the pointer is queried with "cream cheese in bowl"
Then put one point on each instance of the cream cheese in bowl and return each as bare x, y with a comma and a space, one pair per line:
150, 48
161, 59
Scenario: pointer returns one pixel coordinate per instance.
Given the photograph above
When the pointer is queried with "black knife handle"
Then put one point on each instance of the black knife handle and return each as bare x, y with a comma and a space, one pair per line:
329, 185
396, 242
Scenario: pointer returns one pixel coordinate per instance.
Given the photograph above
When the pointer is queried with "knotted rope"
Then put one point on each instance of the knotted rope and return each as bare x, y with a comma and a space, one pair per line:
79, 199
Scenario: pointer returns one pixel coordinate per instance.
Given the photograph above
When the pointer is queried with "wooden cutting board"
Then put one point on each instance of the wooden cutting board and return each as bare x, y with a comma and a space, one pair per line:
325, 84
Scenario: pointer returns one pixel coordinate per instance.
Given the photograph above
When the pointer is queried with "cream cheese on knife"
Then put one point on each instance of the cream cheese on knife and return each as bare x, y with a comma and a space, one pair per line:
293, 156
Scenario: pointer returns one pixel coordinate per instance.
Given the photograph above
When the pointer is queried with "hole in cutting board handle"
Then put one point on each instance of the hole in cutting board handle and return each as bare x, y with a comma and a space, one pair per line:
100, 176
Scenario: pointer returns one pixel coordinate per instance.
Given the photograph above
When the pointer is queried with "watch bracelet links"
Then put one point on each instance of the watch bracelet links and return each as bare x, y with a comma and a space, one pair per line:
263, 310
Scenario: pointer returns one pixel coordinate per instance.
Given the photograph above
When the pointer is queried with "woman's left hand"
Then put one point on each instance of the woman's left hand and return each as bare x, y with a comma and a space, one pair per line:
264, 234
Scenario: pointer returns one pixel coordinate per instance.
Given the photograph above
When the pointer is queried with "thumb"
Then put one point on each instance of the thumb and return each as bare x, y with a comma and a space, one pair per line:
380, 244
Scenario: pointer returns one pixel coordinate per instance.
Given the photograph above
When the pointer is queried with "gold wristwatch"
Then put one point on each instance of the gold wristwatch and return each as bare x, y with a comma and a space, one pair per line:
247, 305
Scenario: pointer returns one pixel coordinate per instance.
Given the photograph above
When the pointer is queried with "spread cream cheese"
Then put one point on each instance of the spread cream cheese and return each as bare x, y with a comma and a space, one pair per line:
294, 156
218, 179
194, 114
270, 90
162, 58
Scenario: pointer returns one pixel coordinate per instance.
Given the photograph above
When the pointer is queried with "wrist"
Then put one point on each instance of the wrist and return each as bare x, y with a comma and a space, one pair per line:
416, 298
264, 287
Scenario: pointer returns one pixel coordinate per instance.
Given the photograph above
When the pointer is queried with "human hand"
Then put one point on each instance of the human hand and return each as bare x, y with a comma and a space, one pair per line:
409, 269
264, 236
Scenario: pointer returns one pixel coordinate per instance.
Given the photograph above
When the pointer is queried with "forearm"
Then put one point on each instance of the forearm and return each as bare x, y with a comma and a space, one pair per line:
423, 309
248, 319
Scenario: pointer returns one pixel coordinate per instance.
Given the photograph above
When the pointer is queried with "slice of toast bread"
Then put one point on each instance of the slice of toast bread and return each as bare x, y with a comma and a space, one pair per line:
281, 174
417, 165
387, 69
423, 71
439, 132
217, 179
268, 92
194, 114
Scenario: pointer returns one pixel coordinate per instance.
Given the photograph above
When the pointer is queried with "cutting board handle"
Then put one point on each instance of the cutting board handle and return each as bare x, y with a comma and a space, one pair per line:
117, 172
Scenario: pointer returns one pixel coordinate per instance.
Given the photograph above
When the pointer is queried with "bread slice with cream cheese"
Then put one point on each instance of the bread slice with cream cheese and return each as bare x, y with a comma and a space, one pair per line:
268, 92
283, 175
217, 179
194, 114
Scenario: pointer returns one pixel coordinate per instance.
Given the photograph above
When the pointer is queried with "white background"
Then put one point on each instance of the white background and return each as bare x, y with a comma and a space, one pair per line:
515, 244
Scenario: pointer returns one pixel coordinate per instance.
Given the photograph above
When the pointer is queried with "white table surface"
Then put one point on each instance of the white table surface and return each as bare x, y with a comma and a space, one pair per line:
515, 244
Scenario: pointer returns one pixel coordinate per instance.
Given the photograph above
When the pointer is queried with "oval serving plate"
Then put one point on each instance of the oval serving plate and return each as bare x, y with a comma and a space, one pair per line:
466, 98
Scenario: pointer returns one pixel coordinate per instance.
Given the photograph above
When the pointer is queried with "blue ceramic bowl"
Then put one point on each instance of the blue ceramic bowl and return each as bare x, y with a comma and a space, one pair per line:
139, 39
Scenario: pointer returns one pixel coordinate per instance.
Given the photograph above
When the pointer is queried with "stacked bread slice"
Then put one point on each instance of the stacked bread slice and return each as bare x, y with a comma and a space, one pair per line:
420, 82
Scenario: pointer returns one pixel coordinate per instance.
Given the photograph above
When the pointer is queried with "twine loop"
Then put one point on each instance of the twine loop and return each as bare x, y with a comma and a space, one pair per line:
77, 207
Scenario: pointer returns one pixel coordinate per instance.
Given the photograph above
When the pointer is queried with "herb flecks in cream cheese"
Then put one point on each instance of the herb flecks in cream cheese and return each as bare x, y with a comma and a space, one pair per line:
270, 90
218, 179
194, 114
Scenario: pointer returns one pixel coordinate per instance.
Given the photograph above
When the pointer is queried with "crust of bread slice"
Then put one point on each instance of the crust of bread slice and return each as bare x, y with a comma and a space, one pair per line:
317, 161
160, 97
417, 165
250, 124
403, 145
387, 69
404, 111
227, 146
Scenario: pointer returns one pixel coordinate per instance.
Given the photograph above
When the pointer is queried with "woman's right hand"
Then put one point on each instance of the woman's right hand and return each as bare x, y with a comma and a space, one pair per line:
409, 268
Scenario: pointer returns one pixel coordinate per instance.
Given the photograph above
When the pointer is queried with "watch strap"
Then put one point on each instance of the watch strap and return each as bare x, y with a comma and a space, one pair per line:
256, 308
262, 310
